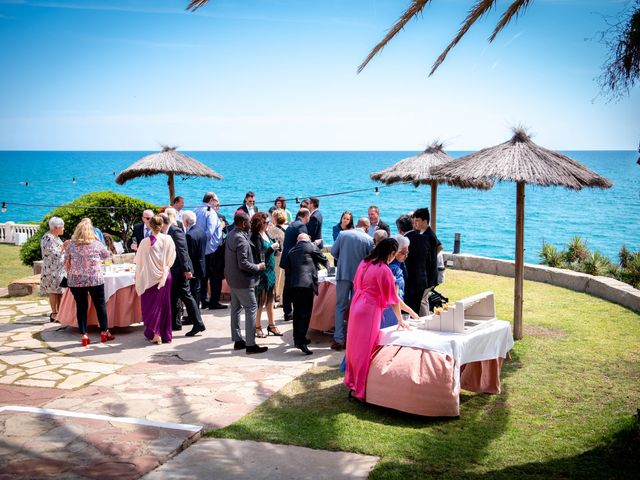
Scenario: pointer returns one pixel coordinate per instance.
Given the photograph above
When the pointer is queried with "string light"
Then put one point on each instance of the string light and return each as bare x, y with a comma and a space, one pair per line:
4, 207
112, 211
73, 180
377, 191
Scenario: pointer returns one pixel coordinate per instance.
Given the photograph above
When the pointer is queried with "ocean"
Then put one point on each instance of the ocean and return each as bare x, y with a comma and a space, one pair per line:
607, 219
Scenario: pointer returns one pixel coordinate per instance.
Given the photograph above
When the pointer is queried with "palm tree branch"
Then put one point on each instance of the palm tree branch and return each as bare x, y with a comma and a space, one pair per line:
414, 9
477, 11
196, 4
517, 7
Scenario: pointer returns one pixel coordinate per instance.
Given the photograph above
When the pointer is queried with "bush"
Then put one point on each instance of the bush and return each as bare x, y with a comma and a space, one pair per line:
550, 256
577, 250
595, 264
127, 212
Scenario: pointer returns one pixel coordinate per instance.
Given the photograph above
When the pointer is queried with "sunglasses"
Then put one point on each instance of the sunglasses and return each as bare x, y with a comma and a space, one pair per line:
147, 218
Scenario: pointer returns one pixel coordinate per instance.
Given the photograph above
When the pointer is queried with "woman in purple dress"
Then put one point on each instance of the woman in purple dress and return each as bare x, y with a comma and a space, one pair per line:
153, 260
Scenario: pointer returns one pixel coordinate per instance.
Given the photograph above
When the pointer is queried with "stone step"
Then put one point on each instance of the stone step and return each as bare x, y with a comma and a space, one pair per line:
25, 286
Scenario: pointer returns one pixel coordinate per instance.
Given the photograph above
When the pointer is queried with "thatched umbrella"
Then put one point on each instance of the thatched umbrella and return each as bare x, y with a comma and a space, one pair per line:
169, 162
419, 171
522, 161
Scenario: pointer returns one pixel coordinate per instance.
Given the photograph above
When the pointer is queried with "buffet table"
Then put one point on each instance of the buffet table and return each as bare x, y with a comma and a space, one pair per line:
123, 303
429, 368
323, 316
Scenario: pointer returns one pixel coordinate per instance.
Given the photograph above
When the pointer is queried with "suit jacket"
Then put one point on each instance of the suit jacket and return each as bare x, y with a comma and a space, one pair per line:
244, 209
138, 235
240, 266
384, 226
197, 246
291, 238
314, 227
301, 266
422, 262
350, 247
182, 263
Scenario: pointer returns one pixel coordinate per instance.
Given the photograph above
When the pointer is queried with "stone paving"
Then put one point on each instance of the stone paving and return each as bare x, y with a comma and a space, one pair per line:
198, 381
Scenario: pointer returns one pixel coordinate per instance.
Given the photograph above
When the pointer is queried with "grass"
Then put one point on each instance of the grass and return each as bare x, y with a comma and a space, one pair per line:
567, 409
11, 268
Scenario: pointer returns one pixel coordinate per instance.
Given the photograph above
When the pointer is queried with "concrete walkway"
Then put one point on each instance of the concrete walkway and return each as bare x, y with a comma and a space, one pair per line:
121, 409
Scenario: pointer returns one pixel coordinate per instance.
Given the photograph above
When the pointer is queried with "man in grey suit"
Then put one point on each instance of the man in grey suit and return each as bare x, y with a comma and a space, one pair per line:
349, 249
241, 271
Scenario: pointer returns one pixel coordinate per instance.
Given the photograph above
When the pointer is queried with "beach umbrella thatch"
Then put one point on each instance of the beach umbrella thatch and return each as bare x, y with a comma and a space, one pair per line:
168, 162
419, 171
520, 160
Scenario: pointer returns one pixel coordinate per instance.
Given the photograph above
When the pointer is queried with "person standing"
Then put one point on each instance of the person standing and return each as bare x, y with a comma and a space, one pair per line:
153, 260
281, 204
290, 239
207, 220
376, 223
422, 262
83, 260
178, 205
399, 271
140, 231
242, 273
197, 247
345, 223
249, 205
181, 273
276, 230
374, 290
52, 249
301, 267
314, 227
348, 250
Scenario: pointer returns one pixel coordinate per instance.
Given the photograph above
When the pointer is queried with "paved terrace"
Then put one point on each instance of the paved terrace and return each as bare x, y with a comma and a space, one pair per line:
122, 409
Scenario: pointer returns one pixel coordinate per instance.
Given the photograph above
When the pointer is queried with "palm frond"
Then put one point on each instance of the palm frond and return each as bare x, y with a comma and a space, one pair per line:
477, 11
196, 4
517, 7
414, 9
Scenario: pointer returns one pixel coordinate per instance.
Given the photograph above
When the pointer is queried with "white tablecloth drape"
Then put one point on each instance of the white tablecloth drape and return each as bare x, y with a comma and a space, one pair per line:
115, 281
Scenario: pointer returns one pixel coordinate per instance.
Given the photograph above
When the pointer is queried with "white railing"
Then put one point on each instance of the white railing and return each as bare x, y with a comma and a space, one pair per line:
17, 233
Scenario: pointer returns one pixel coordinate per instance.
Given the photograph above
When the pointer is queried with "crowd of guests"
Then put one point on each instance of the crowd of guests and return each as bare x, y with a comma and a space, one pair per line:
269, 259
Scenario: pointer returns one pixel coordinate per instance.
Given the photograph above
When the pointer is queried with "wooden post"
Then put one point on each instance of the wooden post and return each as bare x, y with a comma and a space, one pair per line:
172, 188
519, 274
434, 198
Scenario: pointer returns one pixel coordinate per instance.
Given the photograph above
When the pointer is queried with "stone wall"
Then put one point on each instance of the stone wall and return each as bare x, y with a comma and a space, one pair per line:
603, 287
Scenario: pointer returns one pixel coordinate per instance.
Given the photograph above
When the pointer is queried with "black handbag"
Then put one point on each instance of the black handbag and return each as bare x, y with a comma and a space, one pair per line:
63, 282
436, 299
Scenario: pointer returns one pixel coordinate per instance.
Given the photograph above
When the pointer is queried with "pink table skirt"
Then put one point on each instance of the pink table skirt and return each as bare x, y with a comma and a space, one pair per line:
323, 316
422, 382
123, 309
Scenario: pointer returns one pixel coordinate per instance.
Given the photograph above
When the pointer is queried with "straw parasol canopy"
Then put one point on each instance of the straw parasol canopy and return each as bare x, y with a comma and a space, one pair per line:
169, 162
520, 160
419, 171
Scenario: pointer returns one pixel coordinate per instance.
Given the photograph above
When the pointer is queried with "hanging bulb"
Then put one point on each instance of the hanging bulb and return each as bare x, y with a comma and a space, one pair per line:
297, 201
112, 211
26, 184
4, 207
377, 191
73, 180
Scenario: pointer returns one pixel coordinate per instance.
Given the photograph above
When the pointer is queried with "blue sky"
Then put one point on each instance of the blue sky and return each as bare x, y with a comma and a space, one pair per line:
281, 75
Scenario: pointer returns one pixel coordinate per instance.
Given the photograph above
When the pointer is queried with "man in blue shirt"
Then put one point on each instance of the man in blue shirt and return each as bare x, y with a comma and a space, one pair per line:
207, 220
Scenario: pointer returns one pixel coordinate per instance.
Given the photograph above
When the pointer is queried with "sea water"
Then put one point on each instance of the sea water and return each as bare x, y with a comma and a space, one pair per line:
486, 219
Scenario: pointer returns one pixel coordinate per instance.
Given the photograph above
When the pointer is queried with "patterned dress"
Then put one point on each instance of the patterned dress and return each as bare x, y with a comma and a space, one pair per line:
267, 281
52, 264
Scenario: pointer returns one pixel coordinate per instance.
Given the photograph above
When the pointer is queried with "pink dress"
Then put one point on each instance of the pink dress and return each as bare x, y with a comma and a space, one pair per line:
374, 290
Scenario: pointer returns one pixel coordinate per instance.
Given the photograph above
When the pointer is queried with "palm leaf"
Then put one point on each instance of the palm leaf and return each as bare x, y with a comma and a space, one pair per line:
514, 9
477, 11
414, 9
196, 4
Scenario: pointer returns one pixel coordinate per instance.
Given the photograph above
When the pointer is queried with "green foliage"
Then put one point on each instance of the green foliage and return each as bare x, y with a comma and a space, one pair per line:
577, 250
625, 255
631, 273
596, 264
127, 212
550, 256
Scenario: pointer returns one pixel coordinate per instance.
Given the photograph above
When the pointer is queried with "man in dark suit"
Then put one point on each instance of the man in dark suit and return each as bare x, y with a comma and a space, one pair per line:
249, 205
140, 231
181, 273
301, 270
290, 239
376, 223
197, 246
314, 227
422, 262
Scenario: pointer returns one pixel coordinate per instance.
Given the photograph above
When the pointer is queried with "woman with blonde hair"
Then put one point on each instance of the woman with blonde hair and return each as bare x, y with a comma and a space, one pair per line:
153, 260
83, 260
52, 248
172, 213
275, 230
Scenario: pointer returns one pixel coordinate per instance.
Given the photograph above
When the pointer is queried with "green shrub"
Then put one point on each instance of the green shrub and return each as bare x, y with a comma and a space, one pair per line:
550, 256
577, 250
631, 273
595, 264
127, 212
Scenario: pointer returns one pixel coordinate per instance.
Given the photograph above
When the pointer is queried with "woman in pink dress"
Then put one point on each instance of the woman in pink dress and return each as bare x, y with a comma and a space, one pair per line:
374, 290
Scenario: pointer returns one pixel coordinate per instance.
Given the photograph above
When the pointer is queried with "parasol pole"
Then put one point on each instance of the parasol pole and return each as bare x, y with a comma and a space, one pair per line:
434, 197
519, 274
172, 188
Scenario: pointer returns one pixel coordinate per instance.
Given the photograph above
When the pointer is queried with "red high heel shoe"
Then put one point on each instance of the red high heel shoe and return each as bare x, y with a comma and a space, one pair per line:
105, 337
85, 341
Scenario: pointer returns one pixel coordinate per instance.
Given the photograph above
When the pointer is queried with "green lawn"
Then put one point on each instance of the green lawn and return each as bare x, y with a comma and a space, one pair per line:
567, 410
10, 266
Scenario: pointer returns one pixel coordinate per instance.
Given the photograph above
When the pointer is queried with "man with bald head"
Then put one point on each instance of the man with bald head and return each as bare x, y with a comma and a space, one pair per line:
290, 239
350, 247
140, 230
301, 278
